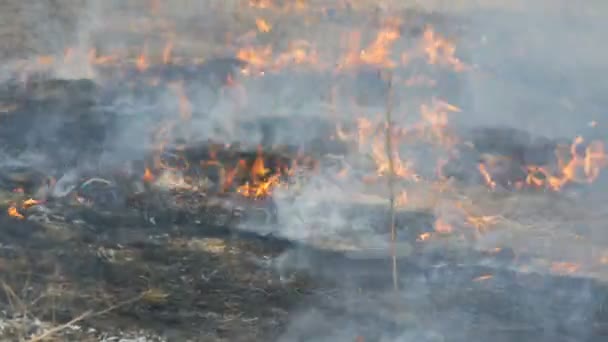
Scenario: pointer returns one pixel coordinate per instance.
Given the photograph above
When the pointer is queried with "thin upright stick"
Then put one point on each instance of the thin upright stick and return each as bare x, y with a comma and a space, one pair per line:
391, 177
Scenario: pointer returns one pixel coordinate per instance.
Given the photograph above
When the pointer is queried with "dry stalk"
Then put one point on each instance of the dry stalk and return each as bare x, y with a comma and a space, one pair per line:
391, 177
86, 315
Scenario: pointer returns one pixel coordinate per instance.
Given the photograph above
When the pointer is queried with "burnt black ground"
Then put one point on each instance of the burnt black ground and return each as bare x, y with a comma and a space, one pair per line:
208, 282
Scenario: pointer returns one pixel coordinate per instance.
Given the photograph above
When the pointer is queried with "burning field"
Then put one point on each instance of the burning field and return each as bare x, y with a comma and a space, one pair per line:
302, 170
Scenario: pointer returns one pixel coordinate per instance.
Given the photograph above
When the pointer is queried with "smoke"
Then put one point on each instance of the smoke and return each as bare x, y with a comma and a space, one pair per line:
539, 70
538, 67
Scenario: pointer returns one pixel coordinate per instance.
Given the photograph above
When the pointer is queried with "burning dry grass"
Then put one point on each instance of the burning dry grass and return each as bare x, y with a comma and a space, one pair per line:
147, 232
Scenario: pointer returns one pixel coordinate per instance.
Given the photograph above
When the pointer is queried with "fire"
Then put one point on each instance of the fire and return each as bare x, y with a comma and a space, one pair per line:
261, 3
486, 175
483, 277
148, 177
262, 25
565, 267
258, 57
258, 169
424, 236
439, 51
13, 212
261, 189
300, 52
142, 62
443, 227
402, 169
30, 203
482, 223
46, 60
378, 52
401, 200
167, 51
575, 166
435, 120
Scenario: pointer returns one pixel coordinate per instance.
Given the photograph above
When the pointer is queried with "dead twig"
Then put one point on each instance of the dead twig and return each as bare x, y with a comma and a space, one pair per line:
391, 177
83, 316
59, 328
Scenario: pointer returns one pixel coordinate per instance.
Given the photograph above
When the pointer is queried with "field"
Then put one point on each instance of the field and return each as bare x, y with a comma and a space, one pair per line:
97, 245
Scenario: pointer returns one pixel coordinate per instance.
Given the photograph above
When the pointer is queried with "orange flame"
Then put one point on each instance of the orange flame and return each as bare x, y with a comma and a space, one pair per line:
13, 212
580, 168
28, 203
424, 236
486, 175
483, 277
443, 227
263, 25
167, 51
148, 177
142, 63
440, 51
565, 267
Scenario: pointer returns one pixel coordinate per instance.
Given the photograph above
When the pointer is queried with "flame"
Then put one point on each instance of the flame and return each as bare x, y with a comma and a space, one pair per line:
424, 236
378, 52
486, 176
574, 166
483, 277
256, 56
482, 223
13, 212
142, 62
401, 169
439, 51
46, 60
167, 51
261, 3
401, 200
435, 120
260, 190
565, 267
28, 203
443, 227
364, 129
263, 25
148, 177
101, 60
299, 52
258, 170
